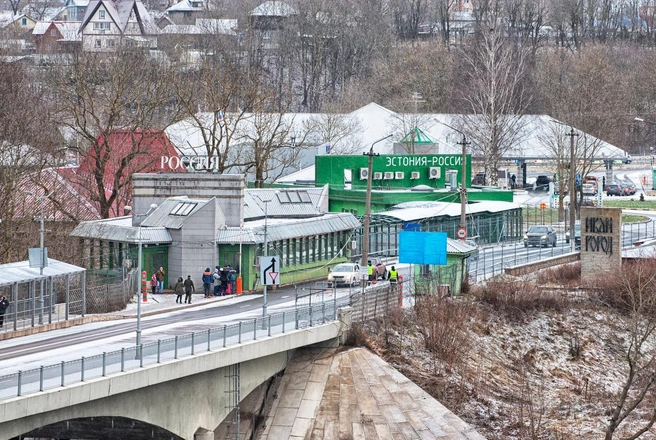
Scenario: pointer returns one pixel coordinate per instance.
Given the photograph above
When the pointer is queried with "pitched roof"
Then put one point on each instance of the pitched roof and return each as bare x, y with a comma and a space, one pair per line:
120, 14
203, 27
274, 9
185, 6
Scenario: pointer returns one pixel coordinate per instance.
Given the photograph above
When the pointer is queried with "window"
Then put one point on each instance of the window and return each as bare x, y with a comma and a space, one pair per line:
98, 43
24, 21
183, 209
101, 14
111, 43
102, 26
53, 32
294, 197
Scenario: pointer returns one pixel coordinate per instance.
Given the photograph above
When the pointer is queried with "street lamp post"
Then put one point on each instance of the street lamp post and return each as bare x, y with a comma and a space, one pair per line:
463, 180
139, 283
572, 190
265, 253
42, 256
367, 204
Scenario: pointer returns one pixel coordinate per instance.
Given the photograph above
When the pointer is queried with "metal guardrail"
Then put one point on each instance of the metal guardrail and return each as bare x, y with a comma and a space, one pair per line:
134, 357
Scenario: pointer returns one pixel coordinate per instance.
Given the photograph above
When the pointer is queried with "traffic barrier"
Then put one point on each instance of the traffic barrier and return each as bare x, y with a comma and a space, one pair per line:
239, 285
144, 286
400, 287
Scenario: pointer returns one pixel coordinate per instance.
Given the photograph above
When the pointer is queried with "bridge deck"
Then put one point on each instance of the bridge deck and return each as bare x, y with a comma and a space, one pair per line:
355, 394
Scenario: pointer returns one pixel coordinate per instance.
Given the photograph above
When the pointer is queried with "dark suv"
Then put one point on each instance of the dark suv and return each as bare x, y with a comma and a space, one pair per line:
542, 183
613, 189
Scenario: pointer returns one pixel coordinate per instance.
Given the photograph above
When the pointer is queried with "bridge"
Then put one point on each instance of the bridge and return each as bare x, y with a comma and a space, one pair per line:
182, 398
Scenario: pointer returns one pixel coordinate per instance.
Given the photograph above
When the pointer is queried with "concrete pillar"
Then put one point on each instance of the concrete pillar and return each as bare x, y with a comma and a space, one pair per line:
345, 317
203, 434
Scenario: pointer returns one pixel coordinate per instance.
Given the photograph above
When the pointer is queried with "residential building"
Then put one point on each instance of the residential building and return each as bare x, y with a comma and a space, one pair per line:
108, 25
57, 37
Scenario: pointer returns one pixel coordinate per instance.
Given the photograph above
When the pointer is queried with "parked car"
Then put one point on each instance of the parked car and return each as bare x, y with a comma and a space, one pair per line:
380, 271
479, 179
628, 189
614, 189
589, 188
540, 235
542, 183
577, 236
344, 273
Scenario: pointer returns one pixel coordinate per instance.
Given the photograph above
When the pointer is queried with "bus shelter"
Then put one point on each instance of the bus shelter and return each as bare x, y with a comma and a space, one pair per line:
37, 298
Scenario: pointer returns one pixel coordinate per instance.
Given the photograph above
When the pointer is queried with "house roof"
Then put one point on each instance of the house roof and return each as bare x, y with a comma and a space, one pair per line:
203, 27
273, 9
120, 14
415, 211
533, 142
458, 247
68, 30
120, 229
281, 229
137, 148
21, 272
174, 211
184, 6
66, 202
41, 27
286, 202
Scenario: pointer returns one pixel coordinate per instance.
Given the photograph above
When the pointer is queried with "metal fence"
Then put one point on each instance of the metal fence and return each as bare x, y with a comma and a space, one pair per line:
131, 358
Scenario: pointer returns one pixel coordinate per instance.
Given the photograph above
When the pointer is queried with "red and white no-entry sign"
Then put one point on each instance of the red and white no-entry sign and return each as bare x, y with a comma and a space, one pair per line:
462, 233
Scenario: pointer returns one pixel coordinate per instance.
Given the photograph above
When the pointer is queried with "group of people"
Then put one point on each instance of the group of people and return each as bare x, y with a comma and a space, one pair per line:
224, 280
185, 287
157, 281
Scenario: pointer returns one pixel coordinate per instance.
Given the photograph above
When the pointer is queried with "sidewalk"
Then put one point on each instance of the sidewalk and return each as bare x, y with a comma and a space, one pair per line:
154, 305
165, 302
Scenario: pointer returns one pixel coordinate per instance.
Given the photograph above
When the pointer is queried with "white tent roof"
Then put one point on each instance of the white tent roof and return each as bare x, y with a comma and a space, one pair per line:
21, 272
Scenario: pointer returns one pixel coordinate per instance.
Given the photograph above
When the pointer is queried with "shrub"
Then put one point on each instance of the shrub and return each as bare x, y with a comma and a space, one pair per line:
632, 288
442, 322
517, 297
564, 275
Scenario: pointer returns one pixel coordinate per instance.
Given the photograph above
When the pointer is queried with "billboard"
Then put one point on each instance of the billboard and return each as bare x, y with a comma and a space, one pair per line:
422, 247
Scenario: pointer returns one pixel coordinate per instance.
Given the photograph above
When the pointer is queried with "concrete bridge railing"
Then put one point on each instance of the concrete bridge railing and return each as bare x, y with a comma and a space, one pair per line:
185, 396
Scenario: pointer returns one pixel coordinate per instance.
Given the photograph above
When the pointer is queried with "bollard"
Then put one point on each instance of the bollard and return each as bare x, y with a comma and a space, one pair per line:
239, 285
144, 286
400, 287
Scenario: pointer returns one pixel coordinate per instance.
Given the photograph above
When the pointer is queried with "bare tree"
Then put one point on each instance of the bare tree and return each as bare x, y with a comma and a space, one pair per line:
495, 94
271, 146
214, 100
335, 130
98, 96
633, 291
27, 145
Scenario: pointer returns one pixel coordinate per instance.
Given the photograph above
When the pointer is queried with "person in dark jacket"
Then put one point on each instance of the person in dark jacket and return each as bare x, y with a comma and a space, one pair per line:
189, 288
4, 305
207, 282
224, 281
179, 290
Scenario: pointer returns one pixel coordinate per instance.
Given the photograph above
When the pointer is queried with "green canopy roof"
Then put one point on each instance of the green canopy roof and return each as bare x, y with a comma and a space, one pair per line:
416, 136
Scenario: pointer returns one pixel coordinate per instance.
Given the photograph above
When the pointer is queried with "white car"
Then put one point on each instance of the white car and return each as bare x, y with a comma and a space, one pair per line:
344, 273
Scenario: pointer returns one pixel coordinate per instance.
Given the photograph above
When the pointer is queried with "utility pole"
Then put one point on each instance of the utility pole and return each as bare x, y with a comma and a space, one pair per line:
463, 186
367, 205
463, 180
572, 189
